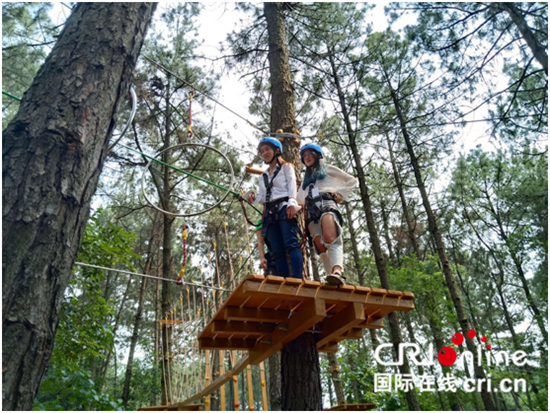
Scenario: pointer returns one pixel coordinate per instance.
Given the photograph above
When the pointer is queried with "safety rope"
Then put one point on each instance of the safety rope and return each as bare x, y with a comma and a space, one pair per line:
11, 96
82, 264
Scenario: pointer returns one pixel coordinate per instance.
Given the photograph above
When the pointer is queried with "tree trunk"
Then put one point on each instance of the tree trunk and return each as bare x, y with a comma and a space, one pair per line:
335, 376
300, 370
115, 328
404, 206
166, 301
452, 398
449, 277
385, 219
412, 400
301, 389
538, 50
53, 153
275, 384
354, 247
135, 335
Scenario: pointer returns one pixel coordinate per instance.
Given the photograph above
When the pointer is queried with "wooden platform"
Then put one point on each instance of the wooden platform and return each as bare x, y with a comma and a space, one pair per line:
353, 407
264, 313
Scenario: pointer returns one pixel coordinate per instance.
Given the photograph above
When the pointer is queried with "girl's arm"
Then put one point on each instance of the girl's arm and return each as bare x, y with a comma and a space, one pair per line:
346, 182
290, 177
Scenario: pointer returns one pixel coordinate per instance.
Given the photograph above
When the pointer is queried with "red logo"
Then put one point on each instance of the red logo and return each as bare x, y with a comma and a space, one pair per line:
447, 355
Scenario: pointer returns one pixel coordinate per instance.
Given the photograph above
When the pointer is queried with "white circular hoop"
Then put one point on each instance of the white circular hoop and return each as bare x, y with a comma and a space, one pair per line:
173, 214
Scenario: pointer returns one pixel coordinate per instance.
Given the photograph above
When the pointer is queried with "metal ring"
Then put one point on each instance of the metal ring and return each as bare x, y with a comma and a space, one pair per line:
130, 119
172, 214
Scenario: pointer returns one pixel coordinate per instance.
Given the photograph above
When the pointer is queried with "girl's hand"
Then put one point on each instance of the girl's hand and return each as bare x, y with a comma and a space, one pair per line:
290, 211
250, 196
264, 263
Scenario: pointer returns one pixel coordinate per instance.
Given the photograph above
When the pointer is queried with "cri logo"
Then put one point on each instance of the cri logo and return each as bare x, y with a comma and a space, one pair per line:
447, 355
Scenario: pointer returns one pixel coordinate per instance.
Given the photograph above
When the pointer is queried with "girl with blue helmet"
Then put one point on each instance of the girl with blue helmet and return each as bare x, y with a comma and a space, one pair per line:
277, 191
322, 189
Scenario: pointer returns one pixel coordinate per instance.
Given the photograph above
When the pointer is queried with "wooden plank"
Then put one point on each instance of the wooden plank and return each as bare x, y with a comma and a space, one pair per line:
352, 334
253, 314
373, 323
168, 321
352, 407
239, 327
328, 348
190, 407
225, 344
339, 323
307, 315
373, 302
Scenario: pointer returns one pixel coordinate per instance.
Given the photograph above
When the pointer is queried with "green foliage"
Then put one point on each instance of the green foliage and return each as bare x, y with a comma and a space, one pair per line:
72, 389
27, 36
84, 331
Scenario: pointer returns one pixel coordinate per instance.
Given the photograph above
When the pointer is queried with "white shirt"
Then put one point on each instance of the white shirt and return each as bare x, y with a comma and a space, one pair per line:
336, 182
284, 185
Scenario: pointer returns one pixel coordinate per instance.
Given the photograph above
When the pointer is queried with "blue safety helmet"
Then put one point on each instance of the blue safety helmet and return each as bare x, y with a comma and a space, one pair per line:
272, 141
312, 147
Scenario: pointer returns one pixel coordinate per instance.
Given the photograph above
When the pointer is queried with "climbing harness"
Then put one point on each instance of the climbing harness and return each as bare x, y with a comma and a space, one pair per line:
271, 208
184, 233
315, 207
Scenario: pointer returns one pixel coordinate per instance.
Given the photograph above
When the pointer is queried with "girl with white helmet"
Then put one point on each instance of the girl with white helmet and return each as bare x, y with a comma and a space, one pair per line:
278, 194
323, 187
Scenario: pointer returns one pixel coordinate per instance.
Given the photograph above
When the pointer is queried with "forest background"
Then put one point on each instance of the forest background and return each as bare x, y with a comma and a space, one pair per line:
442, 75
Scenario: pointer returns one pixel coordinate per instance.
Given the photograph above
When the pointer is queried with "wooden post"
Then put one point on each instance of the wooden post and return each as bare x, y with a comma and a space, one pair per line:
263, 383
207, 376
250, 388
221, 354
235, 382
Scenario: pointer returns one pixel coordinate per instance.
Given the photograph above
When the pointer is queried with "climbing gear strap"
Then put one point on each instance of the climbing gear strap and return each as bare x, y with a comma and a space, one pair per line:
269, 184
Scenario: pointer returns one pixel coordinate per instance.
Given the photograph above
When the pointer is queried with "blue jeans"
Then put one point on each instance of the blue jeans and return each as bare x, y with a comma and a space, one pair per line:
283, 236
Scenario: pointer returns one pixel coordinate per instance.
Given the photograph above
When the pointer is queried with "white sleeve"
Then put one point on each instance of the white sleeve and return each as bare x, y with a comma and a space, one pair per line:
260, 196
301, 196
290, 177
346, 182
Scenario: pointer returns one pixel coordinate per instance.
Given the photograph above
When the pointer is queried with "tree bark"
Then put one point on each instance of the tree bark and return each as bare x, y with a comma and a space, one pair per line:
301, 389
53, 153
440, 245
